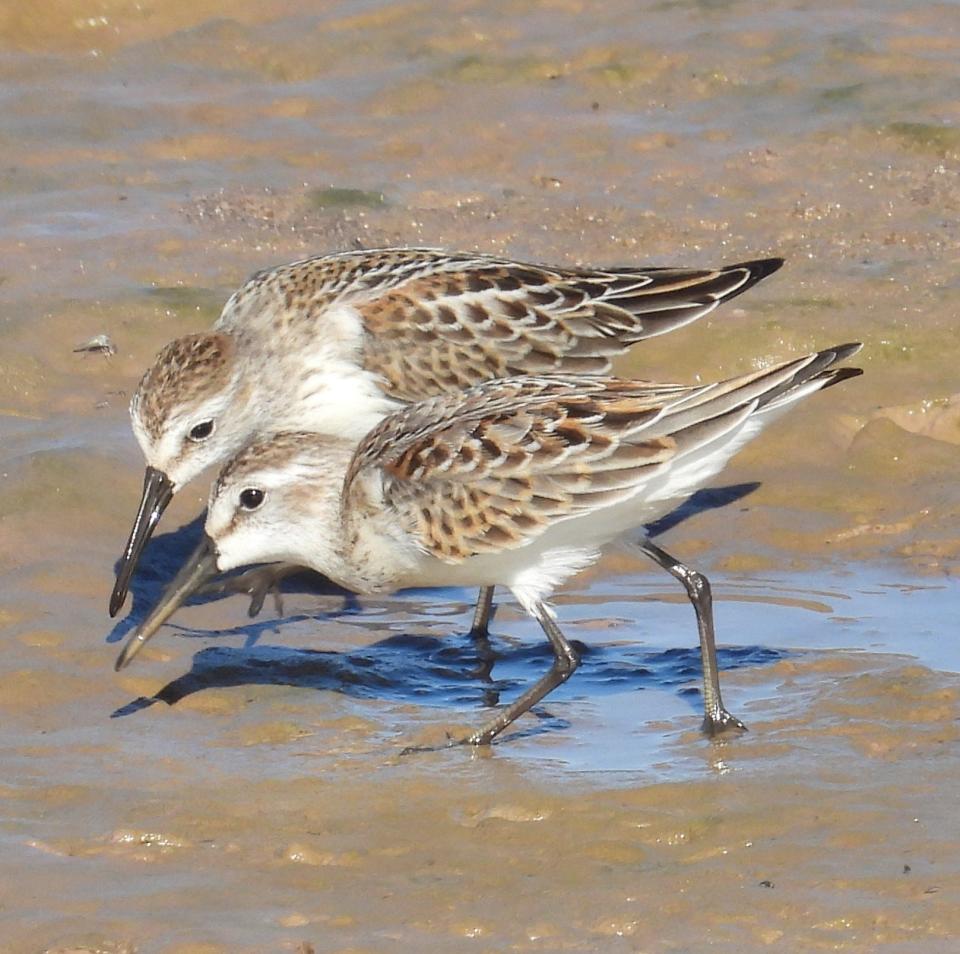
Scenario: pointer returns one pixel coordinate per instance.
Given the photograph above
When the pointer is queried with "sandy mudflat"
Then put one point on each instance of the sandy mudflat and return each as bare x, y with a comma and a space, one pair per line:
239, 789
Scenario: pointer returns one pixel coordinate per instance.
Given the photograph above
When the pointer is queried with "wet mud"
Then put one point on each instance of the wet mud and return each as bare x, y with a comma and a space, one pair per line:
241, 788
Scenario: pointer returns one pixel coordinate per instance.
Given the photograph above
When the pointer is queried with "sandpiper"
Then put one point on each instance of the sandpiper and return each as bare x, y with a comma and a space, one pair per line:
334, 343
516, 482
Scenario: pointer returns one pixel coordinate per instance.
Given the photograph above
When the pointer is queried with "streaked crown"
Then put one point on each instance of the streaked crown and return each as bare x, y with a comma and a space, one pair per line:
186, 371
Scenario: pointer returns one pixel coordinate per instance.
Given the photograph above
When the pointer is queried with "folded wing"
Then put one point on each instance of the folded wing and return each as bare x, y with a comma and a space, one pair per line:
494, 468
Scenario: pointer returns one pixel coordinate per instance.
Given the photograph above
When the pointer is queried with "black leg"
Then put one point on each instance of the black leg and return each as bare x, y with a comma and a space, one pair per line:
565, 662
479, 633
716, 718
480, 628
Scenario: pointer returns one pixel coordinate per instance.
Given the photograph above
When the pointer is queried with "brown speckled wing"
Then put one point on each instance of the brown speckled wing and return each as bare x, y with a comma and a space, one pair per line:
491, 468
294, 296
494, 469
435, 321
471, 321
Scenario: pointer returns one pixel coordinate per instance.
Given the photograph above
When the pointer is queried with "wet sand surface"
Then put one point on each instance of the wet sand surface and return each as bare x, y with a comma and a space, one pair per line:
240, 789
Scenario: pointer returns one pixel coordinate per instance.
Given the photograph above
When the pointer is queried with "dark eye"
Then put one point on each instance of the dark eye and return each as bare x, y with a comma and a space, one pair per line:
251, 498
201, 431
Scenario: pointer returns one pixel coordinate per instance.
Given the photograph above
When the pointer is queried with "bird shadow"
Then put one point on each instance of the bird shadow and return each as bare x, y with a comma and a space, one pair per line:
711, 498
453, 671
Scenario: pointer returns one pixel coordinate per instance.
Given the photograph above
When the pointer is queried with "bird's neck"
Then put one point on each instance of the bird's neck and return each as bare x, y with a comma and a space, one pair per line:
324, 391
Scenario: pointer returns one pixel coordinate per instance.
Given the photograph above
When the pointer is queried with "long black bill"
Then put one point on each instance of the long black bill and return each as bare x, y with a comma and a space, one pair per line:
200, 566
157, 493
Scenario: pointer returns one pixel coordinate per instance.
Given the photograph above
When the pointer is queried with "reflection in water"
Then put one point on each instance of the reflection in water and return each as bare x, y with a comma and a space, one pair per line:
416, 649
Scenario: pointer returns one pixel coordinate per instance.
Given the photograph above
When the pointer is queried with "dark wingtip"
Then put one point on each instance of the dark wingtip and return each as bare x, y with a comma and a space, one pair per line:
836, 375
759, 269
818, 367
826, 359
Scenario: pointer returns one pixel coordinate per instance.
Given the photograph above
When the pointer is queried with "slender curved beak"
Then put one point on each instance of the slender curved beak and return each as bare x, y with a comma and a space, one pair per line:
200, 566
157, 493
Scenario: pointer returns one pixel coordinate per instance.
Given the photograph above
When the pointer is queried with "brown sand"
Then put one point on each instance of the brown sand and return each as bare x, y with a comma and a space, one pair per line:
155, 154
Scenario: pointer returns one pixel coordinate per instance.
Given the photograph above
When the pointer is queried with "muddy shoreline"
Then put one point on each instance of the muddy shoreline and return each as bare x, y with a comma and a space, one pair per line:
240, 788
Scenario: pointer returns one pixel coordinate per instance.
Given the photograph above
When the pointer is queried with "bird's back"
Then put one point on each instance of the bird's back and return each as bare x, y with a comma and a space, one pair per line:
558, 463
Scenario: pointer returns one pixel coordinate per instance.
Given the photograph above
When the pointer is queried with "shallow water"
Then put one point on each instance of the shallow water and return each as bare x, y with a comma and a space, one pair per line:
240, 787
630, 631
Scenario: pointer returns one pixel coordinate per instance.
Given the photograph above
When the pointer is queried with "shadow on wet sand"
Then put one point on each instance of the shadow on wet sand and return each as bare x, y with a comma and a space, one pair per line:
455, 670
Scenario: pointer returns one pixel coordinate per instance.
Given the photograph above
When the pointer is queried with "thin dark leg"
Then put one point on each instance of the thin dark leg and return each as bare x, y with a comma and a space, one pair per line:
716, 718
480, 628
565, 662
480, 634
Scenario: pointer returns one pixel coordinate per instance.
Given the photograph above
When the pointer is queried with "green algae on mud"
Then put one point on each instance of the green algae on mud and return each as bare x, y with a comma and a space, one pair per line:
203, 305
344, 198
938, 138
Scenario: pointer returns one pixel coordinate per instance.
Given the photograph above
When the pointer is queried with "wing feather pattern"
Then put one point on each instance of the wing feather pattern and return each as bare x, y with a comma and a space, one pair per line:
493, 468
472, 320
434, 321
